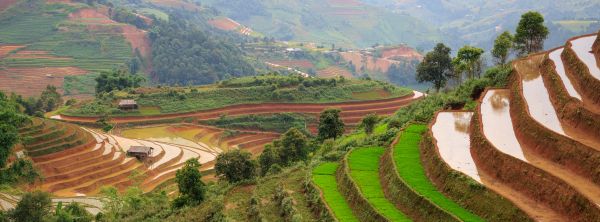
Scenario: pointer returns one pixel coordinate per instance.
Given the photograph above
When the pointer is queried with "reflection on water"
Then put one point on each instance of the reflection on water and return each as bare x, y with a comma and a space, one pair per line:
583, 47
451, 133
497, 124
560, 70
168, 134
536, 95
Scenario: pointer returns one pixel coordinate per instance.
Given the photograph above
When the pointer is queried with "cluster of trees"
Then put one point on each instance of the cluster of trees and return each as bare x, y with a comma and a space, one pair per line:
184, 54
49, 100
125, 16
118, 79
10, 120
283, 81
438, 66
37, 206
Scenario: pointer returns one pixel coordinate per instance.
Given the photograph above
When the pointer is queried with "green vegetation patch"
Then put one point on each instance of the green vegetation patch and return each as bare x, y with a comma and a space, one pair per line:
408, 164
280, 122
324, 177
364, 170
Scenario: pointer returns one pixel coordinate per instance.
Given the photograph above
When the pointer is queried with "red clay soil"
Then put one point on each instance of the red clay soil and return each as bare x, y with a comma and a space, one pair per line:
4, 4
354, 109
36, 79
401, 53
138, 39
224, 24
369, 62
6, 49
334, 71
301, 63
91, 16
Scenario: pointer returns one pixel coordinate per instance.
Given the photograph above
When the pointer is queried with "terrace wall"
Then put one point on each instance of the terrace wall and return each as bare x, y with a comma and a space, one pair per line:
587, 84
550, 145
528, 179
315, 199
464, 190
359, 204
404, 197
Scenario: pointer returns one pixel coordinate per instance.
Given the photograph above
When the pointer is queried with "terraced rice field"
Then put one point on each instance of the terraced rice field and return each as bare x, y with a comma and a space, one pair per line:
560, 70
583, 48
352, 112
300, 63
364, 170
210, 139
324, 177
451, 133
36, 79
78, 162
368, 62
334, 71
408, 164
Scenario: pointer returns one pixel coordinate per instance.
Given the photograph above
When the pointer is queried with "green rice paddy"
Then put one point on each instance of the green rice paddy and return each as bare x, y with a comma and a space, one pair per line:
408, 165
324, 177
364, 170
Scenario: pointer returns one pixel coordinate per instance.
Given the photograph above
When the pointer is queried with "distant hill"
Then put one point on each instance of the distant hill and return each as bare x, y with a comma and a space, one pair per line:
347, 23
478, 22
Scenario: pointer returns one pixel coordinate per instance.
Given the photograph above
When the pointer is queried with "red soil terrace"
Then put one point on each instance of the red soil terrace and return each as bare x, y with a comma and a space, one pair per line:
32, 81
6, 49
334, 71
4, 4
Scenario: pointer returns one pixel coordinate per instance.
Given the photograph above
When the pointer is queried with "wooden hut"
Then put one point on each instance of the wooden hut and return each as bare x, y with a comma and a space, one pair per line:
127, 104
140, 152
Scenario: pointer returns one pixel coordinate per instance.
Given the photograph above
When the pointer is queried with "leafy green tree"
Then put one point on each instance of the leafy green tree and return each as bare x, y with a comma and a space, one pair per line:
267, 158
531, 33
468, 60
235, 166
189, 182
502, 47
50, 98
436, 67
330, 124
117, 80
10, 120
293, 146
33, 207
368, 122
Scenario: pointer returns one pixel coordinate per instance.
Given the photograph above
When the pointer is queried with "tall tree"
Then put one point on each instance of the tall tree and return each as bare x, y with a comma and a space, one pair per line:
293, 146
531, 33
189, 182
436, 67
468, 60
50, 98
32, 207
330, 124
502, 46
235, 166
368, 123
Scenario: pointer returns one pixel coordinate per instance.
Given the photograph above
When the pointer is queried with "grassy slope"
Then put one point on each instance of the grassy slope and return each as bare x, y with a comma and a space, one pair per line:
408, 163
364, 165
324, 177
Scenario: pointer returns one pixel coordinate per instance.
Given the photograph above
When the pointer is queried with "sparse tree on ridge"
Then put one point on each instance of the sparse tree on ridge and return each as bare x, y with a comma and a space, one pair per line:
531, 33
436, 67
502, 47
468, 60
189, 182
368, 123
235, 166
330, 124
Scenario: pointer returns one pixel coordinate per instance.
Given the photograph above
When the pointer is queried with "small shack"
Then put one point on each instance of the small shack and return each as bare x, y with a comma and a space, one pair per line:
140, 152
128, 104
